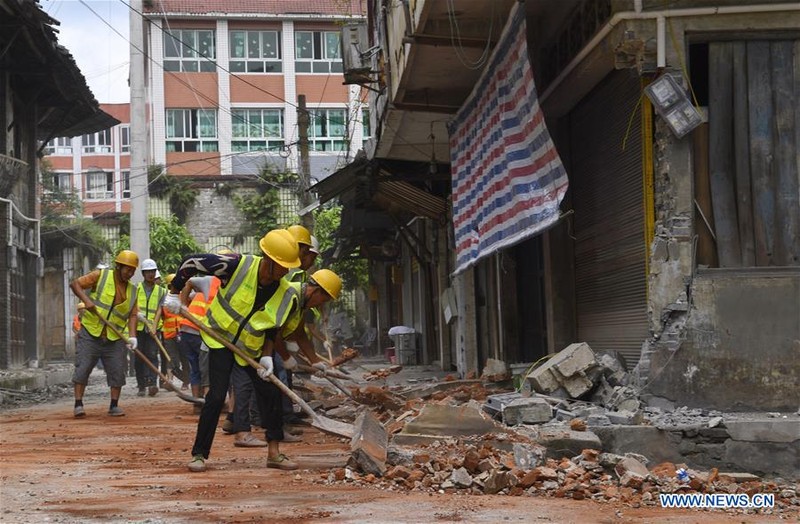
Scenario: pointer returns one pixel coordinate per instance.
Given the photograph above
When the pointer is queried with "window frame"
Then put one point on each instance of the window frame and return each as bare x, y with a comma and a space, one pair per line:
326, 142
125, 139
125, 182
182, 51
271, 142
324, 59
99, 194
191, 118
247, 64
98, 146
59, 146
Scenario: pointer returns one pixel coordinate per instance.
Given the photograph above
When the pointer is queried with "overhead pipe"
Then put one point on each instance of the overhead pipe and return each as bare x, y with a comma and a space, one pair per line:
638, 14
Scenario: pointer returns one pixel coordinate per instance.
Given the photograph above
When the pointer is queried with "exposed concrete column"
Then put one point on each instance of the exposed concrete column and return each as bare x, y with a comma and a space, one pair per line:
140, 229
289, 95
467, 334
224, 119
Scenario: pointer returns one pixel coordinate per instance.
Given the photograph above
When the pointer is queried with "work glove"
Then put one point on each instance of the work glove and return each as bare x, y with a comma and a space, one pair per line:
328, 346
292, 347
266, 369
173, 303
142, 318
290, 363
132, 343
320, 366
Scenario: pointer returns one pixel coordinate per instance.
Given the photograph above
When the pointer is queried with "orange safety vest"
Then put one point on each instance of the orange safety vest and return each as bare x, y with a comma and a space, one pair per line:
200, 303
171, 324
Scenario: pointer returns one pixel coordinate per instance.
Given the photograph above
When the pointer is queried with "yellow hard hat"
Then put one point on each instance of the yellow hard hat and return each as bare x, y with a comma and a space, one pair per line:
226, 251
327, 280
280, 246
81, 305
300, 234
169, 278
128, 258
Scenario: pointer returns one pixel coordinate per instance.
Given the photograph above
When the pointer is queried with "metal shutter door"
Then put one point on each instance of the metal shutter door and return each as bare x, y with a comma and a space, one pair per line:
610, 280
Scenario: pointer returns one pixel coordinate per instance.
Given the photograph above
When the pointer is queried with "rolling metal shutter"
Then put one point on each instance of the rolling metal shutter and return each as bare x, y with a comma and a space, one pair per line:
606, 181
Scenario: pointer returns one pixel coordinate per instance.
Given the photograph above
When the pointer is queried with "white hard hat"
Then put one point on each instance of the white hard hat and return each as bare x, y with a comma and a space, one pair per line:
314, 245
149, 264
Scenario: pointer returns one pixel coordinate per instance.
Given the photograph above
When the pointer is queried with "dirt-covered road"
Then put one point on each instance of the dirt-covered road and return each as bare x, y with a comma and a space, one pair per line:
56, 468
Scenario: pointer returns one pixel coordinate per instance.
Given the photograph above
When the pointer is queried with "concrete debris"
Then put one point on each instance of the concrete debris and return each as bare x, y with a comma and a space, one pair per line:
368, 445
516, 409
495, 371
631, 472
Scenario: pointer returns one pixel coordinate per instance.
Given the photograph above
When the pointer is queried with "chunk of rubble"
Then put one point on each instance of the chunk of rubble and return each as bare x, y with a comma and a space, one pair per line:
631, 472
560, 441
461, 478
368, 447
515, 409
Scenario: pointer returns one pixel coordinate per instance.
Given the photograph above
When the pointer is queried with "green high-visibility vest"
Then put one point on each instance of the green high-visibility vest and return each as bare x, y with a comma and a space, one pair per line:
103, 297
231, 311
148, 305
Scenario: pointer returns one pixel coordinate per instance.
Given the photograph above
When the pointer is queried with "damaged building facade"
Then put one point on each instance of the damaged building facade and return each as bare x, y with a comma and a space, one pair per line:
43, 95
677, 248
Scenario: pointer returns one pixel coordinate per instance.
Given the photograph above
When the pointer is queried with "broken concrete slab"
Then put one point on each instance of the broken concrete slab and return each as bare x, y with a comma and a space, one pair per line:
429, 389
764, 430
647, 440
516, 409
461, 478
574, 359
368, 447
528, 456
560, 441
631, 472
437, 422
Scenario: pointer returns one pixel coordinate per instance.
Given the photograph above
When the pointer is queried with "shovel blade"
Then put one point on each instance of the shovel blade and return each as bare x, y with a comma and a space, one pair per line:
332, 427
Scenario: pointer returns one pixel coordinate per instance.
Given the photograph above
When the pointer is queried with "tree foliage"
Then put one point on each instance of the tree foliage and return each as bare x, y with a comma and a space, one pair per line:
63, 225
261, 209
170, 241
352, 270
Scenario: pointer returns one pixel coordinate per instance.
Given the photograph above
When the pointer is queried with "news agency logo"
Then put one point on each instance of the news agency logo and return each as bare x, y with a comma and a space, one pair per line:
717, 500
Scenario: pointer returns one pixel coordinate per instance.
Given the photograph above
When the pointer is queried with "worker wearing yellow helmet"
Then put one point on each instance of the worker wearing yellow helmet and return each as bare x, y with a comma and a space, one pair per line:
309, 249
108, 294
252, 304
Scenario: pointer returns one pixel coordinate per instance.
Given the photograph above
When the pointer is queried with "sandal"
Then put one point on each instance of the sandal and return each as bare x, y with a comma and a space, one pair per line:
281, 462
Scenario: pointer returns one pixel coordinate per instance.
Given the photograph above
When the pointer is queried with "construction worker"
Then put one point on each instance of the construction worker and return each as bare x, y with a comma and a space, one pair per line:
111, 295
149, 297
309, 249
323, 286
170, 325
252, 304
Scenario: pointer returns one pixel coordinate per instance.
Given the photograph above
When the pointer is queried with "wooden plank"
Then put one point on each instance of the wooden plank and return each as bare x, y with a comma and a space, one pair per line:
741, 149
759, 83
706, 247
787, 197
720, 109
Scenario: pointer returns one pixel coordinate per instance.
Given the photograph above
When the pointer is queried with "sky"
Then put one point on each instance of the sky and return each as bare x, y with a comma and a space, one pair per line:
101, 54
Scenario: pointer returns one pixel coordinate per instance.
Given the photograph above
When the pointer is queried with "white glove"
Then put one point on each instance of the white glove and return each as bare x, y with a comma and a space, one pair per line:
321, 366
266, 369
292, 347
133, 343
328, 346
141, 317
290, 364
173, 303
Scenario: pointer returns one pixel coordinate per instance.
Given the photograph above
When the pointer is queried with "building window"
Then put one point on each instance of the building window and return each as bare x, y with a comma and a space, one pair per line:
99, 185
99, 142
126, 184
328, 130
255, 52
317, 52
189, 50
62, 182
367, 130
125, 139
59, 146
257, 130
192, 130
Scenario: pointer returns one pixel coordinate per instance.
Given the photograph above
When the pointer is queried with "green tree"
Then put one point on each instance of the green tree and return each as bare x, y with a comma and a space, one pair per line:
169, 243
63, 225
177, 190
353, 270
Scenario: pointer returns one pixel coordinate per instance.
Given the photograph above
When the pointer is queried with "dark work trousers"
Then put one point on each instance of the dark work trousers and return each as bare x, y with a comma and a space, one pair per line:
243, 398
145, 377
220, 364
285, 376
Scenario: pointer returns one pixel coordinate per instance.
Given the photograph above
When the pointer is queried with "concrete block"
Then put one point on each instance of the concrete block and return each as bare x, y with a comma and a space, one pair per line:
626, 418
575, 358
631, 472
560, 441
528, 456
450, 421
531, 410
461, 478
577, 385
544, 380
764, 430
368, 447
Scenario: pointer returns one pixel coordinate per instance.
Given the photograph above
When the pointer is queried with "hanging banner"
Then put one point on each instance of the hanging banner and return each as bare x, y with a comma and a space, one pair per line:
508, 179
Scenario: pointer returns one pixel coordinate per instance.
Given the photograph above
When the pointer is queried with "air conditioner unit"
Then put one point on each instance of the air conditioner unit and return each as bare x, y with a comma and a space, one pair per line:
356, 54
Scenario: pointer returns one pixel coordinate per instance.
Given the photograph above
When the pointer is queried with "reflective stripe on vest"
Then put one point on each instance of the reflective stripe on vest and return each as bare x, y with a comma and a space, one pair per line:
234, 303
299, 312
199, 304
171, 324
103, 297
147, 305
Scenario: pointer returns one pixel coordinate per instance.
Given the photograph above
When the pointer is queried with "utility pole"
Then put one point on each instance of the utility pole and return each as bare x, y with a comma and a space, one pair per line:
304, 169
140, 226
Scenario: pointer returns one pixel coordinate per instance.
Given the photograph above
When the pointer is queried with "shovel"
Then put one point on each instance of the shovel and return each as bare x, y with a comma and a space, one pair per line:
140, 355
325, 424
151, 330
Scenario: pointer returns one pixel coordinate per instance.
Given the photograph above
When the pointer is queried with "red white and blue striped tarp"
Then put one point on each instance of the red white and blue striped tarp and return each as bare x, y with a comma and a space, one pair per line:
508, 179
